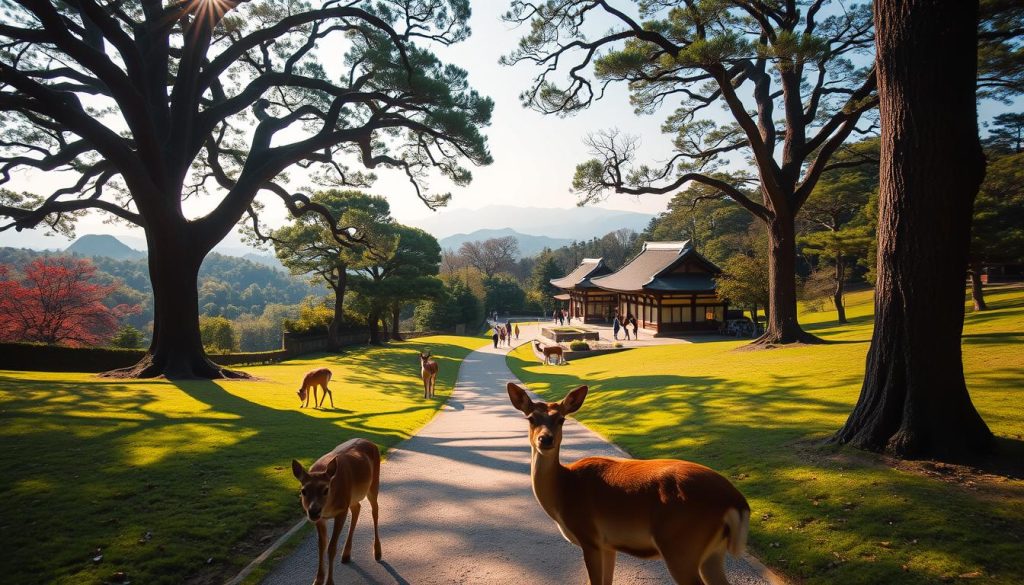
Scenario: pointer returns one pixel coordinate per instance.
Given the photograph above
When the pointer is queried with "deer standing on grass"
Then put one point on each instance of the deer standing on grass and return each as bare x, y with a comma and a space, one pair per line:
550, 351
332, 487
682, 512
319, 377
428, 371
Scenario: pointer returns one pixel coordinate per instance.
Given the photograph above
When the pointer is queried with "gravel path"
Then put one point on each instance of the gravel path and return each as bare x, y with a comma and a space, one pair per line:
456, 505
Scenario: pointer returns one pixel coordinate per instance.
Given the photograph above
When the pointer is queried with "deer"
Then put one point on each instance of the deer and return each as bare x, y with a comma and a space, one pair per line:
682, 512
333, 486
313, 378
549, 352
428, 371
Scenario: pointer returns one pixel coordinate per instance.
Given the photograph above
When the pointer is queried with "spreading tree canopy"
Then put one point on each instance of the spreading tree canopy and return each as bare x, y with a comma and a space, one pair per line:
143, 105
785, 73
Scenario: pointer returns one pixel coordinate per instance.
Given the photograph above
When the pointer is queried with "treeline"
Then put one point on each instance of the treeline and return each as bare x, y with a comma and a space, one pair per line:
255, 298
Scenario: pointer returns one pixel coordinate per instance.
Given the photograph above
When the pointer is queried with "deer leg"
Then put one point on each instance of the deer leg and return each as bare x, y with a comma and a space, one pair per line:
327, 392
339, 523
608, 561
372, 496
321, 548
594, 559
426, 385
712, 570
683, 564
346, 555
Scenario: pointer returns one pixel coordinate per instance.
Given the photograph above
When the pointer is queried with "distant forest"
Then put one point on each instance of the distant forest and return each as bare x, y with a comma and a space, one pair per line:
228, 286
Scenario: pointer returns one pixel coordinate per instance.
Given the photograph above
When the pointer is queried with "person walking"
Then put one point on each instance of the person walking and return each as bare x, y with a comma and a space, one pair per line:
517, 331
554, 316
494, 338
632, 321
625, 328
561, 317
615, 327
501, 334
568, 318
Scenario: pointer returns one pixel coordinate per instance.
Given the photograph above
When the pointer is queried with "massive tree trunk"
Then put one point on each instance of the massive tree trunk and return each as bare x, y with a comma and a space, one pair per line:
782, 326
334, 329
837, 295
977, 293
914, 401
177, 348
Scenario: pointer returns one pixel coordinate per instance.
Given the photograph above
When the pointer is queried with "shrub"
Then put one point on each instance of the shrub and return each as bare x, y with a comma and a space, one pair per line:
579, 346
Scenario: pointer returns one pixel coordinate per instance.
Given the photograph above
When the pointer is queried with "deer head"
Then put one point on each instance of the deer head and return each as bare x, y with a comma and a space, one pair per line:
546, 418
315, 487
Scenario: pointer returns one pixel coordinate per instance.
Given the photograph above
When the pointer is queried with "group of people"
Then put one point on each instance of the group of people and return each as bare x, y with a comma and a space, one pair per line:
561, 316
624, 325
503, 333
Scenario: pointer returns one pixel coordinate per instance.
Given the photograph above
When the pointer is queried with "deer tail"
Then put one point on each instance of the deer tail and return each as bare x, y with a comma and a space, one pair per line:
738, 523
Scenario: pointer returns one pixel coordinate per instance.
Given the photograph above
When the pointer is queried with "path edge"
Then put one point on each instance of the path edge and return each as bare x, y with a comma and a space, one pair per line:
263, 556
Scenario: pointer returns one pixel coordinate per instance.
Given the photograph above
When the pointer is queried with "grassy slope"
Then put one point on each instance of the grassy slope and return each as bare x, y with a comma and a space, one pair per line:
820, 514
162, 476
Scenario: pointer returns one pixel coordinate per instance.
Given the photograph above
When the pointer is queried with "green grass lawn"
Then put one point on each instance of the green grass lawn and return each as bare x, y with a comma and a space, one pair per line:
176, 482
821, 514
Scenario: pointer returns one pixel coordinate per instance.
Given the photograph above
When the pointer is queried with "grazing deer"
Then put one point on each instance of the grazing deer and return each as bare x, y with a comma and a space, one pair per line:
682, 512
332, 487
428, 371
319, 377
550, 351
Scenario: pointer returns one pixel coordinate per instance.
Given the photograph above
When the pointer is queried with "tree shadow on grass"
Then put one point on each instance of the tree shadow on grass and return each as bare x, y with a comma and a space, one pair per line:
824, 513
170, 492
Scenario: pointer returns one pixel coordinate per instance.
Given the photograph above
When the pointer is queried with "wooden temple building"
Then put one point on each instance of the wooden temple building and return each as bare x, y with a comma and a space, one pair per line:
586, 302
668, 287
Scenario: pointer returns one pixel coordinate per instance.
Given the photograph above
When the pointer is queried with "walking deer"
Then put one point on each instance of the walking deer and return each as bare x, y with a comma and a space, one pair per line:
428, 371
682, 512
319, 377
550, 351
332, 487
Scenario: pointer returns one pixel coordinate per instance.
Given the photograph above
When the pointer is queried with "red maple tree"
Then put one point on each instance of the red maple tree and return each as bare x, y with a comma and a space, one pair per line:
56, 302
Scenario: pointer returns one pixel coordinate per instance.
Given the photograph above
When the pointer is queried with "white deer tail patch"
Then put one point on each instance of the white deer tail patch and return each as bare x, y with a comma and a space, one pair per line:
739, 527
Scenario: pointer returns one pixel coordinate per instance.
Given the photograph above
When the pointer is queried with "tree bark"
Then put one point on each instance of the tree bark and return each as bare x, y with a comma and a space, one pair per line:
782, 326
373, 323
914, 401
396, 310
176, 351
977, 291
837, 296
334, 329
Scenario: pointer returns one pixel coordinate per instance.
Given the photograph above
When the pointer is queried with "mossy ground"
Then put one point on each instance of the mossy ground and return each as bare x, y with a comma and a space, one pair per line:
822, 514
174, 482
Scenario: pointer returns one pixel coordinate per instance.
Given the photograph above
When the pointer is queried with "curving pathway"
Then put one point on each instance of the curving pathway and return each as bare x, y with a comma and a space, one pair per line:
456, 505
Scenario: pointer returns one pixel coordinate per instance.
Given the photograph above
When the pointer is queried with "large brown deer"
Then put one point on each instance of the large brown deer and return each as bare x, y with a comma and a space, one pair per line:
318, 377
550, 351
428, 371
332, 487
682, 512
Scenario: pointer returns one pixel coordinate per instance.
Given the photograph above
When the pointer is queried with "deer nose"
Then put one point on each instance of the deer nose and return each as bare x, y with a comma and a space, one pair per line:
546, 440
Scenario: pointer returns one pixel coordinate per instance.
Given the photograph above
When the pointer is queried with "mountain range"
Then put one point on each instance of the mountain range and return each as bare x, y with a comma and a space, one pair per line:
574, 223
528, 245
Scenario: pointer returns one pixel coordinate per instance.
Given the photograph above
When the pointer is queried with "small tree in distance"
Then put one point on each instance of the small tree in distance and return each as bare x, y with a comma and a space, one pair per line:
55, 302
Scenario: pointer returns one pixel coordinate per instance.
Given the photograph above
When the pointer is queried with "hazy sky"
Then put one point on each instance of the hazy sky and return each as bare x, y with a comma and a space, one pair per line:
534, 155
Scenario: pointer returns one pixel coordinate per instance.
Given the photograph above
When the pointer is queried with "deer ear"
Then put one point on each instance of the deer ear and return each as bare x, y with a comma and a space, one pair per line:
332, 468
298, 471
574, 400
520, 399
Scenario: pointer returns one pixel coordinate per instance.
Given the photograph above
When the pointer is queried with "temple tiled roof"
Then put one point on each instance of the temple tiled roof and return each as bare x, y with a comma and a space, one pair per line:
581, 275
651, 270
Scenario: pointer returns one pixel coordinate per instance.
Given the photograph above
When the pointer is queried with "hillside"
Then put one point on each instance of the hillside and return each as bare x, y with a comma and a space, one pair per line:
528, 245
103, 245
